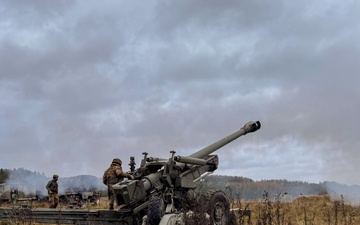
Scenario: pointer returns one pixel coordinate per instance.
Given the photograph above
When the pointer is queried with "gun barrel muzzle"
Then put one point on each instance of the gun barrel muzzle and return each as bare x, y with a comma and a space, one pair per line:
252, 126
247, 128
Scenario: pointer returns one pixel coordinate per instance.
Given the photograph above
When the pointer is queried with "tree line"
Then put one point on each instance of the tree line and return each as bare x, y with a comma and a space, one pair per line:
237, 187
4, 175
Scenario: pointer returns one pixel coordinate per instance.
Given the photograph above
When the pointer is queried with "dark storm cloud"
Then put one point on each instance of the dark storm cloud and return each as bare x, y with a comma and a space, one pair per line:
82, 83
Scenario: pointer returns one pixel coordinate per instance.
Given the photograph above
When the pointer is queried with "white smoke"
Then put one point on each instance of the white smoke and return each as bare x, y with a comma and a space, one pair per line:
349, 193
34, 183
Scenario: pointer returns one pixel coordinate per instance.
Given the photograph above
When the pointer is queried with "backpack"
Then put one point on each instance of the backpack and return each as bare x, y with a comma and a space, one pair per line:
106, 176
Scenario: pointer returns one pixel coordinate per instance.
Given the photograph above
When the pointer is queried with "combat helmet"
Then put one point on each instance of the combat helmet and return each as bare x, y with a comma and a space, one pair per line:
55, 176
117, 161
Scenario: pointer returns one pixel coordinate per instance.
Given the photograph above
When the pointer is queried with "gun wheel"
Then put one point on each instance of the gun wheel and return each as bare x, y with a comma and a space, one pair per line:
156, 209
218, 207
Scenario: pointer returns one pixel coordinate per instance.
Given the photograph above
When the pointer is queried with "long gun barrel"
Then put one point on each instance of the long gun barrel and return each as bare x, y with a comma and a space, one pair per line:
247, 128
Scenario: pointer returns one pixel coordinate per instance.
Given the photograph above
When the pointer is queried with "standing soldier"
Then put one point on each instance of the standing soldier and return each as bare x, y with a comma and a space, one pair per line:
113, 175
52, 188
14, 195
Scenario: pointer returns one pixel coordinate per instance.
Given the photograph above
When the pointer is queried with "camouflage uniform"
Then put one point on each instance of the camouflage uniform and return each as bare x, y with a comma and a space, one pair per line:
113, 175
52, 188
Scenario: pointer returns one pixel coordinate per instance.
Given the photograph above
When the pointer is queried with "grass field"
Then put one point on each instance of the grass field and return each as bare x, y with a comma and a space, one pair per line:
305, 210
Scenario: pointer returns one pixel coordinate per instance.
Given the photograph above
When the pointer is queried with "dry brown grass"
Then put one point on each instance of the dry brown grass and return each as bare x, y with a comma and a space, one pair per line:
305, 210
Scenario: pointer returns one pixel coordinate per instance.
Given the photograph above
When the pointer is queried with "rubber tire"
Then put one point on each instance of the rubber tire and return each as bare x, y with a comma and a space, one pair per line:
156, 209
218, 208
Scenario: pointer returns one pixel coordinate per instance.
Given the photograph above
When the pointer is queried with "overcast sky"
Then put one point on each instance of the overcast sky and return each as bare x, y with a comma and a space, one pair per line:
82, 82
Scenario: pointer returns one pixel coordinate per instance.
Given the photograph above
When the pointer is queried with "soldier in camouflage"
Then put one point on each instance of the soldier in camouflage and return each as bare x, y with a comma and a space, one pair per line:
113, 175
52, 188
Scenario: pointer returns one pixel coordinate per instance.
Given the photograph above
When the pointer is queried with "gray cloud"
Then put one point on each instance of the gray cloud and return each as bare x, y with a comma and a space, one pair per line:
82, 83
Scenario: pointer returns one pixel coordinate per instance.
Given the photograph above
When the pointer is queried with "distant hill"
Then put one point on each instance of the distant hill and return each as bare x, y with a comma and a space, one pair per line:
81, 183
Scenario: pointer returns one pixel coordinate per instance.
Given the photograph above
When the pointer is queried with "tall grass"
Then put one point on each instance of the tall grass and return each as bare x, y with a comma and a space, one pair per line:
305, 210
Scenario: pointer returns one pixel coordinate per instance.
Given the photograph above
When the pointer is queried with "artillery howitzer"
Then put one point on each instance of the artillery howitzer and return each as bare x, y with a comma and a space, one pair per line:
161, 193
